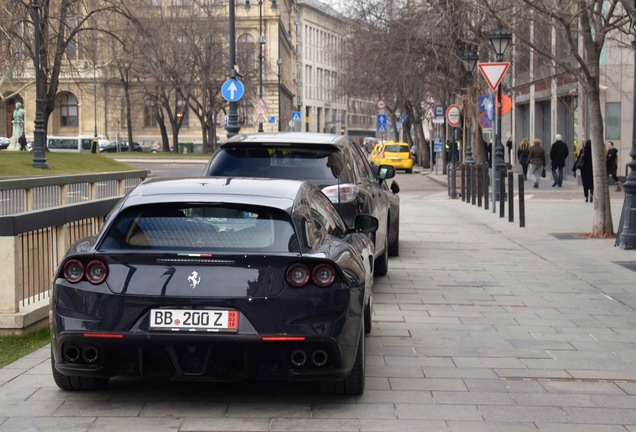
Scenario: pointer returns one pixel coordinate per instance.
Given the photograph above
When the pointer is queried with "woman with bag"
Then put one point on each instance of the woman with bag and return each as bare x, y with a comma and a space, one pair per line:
522, 156
584, 164
536, 157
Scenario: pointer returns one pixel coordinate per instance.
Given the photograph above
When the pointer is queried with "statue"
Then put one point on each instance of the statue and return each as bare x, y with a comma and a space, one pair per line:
18, 125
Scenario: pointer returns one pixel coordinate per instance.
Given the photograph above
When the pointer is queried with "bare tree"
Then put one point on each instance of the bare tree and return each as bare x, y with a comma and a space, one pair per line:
593, 21
63, 23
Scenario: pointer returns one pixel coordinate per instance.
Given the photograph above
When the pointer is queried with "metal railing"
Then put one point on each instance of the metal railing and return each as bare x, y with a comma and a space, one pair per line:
58, 211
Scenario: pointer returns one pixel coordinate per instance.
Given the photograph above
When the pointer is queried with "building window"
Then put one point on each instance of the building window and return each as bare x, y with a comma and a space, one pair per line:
150, 119
68, 110
182, 111
613, 120
246, 52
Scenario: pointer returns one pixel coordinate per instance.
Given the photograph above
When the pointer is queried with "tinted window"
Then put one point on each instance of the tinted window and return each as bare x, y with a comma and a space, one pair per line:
281, 162
201, 228
67, 144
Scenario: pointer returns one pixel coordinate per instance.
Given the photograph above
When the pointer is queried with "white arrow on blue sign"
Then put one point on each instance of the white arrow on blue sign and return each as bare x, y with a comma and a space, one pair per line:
232, 90
295, 116
381, 119
271, 119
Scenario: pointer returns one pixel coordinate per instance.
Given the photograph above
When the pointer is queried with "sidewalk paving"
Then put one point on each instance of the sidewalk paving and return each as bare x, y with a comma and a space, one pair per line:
480, 325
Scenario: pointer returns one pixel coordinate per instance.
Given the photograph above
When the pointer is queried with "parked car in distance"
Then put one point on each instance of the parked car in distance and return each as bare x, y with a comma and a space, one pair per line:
150, 146
396, 154
69, 144
374, 156
111, 147
334, 163
4, 143
216, 279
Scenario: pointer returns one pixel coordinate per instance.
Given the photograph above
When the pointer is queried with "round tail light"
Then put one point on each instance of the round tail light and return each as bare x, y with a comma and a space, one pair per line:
73, 271
96, 272
297, 275
323, 275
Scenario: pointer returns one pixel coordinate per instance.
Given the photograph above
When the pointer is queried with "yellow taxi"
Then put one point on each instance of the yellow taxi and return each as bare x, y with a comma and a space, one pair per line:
396, 154
374, 157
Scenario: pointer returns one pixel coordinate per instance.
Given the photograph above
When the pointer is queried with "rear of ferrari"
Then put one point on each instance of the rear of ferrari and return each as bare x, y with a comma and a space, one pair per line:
213, 294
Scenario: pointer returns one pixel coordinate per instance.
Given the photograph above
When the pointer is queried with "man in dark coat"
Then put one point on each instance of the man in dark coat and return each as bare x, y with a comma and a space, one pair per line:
558, 154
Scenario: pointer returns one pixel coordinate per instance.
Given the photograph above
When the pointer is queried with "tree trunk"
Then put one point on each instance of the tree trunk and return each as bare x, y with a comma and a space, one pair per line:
602, 221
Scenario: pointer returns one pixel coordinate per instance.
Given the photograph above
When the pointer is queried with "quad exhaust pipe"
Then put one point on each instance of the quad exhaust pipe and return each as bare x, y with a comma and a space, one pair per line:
299, 358
73, 354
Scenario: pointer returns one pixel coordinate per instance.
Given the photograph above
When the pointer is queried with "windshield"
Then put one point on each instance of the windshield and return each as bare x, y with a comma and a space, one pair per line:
296, 163
201, 228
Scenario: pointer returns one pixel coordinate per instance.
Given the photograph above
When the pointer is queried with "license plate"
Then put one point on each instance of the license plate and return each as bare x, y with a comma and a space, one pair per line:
194, 320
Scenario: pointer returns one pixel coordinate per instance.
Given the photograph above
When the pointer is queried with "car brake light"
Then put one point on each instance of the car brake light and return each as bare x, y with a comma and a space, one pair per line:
73, 271
348, 192
323, 275
96, 272
297, 275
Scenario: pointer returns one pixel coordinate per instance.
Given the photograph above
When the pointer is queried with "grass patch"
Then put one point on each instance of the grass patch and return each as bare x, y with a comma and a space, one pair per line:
19, 164
13, 347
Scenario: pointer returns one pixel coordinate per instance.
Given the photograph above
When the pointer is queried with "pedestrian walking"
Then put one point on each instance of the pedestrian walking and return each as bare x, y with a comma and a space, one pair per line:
522, 156
558, 155
584, 165
536, 157
23, 143
611, 162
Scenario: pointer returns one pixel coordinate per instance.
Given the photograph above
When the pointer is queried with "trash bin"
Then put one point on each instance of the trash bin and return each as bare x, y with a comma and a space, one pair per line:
185, 147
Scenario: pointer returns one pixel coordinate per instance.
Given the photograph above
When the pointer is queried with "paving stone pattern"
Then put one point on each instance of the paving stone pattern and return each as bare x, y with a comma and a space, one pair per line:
479, 326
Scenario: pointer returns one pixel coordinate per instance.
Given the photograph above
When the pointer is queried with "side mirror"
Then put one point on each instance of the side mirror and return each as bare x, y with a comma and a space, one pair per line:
386, 172
394, 187
365, 224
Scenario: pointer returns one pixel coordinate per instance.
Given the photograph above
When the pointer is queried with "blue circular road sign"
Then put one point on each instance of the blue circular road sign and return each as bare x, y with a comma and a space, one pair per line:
232, 90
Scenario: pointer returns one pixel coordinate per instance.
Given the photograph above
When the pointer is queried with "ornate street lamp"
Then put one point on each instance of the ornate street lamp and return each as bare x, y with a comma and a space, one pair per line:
233, 126
626, 236
39, 157
470, 59
279, 63
261, 42
499, 41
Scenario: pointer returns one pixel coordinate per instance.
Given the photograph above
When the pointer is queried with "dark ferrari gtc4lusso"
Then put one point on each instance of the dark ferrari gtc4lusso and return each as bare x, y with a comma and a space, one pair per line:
216, 279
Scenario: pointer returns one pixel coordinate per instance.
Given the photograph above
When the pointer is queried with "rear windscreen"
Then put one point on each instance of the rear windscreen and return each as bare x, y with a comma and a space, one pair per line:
280, 162
396, 148
201, 228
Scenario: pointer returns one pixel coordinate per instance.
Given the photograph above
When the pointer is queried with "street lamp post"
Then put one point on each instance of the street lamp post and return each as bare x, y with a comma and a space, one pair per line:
95, 98
233, 126
39, 157
279, 63
626, 236
499, 41
470, 59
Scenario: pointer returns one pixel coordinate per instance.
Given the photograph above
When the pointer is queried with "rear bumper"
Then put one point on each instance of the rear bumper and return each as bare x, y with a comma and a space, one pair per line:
202, 357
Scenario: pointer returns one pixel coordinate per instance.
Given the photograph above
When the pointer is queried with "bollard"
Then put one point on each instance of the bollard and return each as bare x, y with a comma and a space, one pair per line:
473, 184
511, 209
502, 192
463, 189
480, 185
486, 187
522, 205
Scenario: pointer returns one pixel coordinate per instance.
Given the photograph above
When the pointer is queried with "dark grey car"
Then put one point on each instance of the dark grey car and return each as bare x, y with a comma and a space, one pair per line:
334, 163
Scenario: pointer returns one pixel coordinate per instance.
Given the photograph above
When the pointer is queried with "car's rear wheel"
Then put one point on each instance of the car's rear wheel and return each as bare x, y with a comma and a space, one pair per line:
409, 171
368, 313
76, 382
354, 384
381, 266
394, 248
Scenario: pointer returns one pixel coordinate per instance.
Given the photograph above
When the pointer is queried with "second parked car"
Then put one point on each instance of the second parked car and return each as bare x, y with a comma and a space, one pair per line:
111, 147
334, 163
